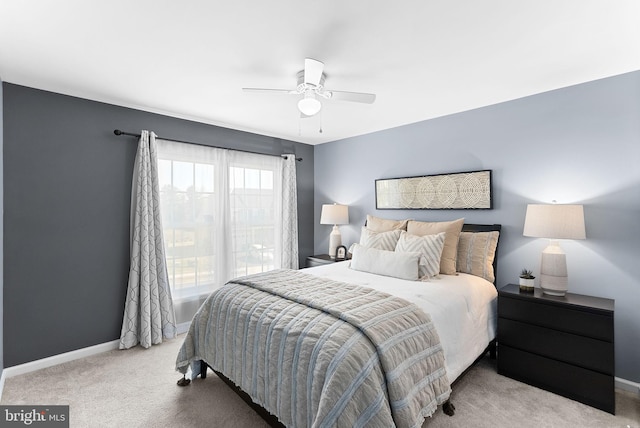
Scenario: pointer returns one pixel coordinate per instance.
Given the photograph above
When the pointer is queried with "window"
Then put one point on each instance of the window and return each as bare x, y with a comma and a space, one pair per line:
219, 213
253, 219
187, 201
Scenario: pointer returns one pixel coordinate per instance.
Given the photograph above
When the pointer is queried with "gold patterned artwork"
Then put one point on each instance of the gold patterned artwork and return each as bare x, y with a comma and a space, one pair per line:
462, 190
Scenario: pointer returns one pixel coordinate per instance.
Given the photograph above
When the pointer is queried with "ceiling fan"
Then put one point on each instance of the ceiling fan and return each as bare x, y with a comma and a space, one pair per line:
311, 86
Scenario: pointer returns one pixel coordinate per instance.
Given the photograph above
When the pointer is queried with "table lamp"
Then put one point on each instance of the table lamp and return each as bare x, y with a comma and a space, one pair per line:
334, 214
557, 221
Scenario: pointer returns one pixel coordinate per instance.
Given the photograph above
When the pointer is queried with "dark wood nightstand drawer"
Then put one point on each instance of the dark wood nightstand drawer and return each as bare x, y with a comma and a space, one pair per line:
319, 260
586, 386
596, 325
570, 348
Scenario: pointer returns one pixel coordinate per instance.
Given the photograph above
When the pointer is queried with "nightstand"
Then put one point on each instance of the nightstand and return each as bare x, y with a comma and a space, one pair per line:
320, 259
562, 344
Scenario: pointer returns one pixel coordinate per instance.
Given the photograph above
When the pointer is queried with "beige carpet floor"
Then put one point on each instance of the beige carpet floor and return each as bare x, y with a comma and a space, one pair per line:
137, 388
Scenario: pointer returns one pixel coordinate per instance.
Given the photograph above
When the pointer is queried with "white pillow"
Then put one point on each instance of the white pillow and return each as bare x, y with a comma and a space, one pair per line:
380, 240
429, 246
388, 263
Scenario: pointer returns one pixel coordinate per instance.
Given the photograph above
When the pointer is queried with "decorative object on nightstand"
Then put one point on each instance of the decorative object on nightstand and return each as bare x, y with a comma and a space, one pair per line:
334, 214
526, 280
341, 253
556, 221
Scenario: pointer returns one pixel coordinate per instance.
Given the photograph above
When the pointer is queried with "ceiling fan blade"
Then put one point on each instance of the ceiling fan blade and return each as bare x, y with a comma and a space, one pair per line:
358, 97
313, 71
272, 91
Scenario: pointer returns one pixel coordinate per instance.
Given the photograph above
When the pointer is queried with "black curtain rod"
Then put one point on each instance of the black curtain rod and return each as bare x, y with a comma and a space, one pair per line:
131, 134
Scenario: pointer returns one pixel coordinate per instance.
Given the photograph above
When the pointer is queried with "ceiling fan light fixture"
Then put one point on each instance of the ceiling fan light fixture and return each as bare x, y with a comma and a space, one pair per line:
309, 105
311, 86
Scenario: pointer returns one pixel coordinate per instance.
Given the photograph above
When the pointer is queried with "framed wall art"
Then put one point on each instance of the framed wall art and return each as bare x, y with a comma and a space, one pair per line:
456, 191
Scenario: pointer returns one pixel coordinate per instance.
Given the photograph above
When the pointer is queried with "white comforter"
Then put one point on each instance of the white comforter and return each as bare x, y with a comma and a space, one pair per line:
462, 307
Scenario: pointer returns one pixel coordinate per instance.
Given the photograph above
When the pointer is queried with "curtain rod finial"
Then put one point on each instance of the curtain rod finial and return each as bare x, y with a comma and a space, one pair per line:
117, 132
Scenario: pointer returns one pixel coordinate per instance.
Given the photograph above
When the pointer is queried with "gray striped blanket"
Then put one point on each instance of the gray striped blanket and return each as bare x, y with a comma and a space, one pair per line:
321, 353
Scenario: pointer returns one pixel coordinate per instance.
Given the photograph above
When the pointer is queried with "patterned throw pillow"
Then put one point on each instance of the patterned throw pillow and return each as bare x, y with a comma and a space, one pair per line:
381, 240
429, 246
450, 250
476, 252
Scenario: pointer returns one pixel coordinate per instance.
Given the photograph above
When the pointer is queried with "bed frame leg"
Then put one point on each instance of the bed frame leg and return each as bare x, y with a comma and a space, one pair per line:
203, 375
492, 349
203, 370
184, 381
448, 408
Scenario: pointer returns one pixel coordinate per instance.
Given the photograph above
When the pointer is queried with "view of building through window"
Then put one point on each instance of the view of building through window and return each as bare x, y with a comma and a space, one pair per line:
195, 221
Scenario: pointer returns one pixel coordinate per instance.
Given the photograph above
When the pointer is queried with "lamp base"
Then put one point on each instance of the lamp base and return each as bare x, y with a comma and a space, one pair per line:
552, 292
335, 240
553, 270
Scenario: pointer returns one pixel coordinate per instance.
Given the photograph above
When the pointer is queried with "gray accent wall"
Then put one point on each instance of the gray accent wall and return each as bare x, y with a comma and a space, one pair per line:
579, 144
1, 229
67, 190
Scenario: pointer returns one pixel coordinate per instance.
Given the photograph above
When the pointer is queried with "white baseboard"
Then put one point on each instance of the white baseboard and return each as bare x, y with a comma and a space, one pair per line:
628, 385
183, 328
59, 359
2, 377
66, 357
55, 360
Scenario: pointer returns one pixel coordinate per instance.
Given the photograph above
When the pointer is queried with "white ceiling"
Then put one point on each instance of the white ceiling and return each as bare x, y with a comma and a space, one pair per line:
423, 58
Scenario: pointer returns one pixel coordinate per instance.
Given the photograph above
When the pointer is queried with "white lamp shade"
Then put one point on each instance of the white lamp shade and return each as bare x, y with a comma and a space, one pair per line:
554, 221
334, 214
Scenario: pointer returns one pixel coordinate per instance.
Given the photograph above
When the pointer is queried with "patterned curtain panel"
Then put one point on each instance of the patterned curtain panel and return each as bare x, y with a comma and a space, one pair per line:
148, 314
289, 214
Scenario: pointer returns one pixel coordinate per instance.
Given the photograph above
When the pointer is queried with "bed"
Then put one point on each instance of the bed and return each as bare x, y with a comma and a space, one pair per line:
336, 346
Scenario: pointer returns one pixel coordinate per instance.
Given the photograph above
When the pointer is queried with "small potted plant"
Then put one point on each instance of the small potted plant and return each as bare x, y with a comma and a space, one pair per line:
526, 280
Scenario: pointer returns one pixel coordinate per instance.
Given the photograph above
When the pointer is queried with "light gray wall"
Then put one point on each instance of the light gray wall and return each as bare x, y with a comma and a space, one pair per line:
67, 190
575, 145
